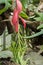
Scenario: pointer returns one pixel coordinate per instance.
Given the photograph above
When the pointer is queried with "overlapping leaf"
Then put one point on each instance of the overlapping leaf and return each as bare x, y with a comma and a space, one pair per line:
7, 5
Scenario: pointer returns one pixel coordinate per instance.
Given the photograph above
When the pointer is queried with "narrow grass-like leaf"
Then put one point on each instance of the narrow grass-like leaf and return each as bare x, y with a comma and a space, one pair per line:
24, 15
35, 35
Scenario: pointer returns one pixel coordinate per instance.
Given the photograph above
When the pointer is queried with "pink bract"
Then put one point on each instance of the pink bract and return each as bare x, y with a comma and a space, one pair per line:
16, 16
19, 5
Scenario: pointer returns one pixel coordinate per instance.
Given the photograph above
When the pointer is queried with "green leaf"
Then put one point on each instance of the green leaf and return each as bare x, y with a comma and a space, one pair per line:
3, 1
24, 15
21, 59
36, 1
5, 54
40, 26
35, 35
40, 18
7, 5
24, 3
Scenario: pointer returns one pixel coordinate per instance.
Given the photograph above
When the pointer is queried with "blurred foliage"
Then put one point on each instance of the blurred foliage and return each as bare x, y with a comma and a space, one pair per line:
40, 26
24, 3
24, 15
35, 35
35, 58
40, 18
7, 5
5, 54
23, 37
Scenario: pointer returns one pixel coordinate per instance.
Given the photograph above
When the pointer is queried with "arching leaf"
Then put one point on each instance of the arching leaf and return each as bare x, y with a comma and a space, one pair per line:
40, 26
7, 5
35, 35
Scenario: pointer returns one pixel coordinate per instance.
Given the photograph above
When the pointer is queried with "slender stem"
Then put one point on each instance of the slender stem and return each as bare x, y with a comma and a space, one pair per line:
4, 41
25, 35
13, 4
18, 34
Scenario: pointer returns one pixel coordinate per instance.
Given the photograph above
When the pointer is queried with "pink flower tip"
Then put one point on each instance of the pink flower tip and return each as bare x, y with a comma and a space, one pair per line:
19, 5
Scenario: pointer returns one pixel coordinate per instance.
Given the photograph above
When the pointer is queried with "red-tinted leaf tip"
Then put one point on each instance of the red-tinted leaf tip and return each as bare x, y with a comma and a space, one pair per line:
23, 21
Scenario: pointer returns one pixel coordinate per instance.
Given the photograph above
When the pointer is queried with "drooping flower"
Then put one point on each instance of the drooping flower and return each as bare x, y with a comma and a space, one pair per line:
15, 19
16, 16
